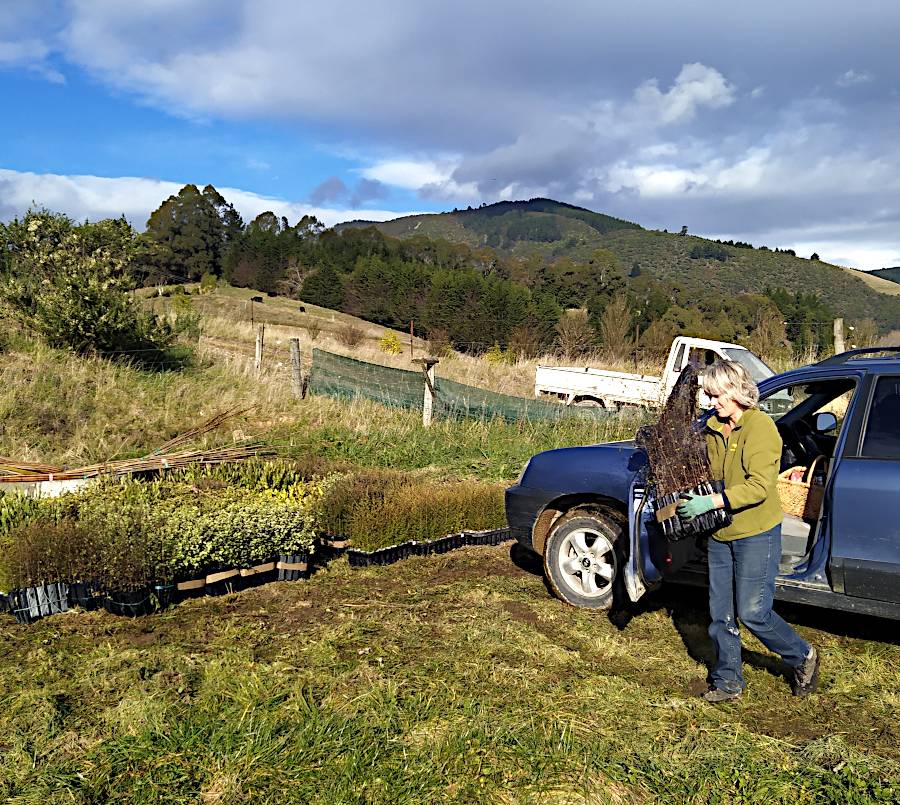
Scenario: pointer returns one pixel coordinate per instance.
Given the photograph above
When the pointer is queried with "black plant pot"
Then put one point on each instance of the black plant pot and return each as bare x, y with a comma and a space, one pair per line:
256, 575
293, 566
31, 603
189, 585
130, 603
221, 580
674, 528
477, 537
331, 547
491, 536
500, 535
164, 593
358, 558
86, 594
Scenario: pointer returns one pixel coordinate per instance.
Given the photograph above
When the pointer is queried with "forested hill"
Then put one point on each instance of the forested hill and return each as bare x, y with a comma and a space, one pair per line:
506, 224
542, 230
892, 274
522, 276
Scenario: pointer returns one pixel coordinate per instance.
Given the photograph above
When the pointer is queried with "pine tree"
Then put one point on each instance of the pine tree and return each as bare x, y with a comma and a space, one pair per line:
193, 230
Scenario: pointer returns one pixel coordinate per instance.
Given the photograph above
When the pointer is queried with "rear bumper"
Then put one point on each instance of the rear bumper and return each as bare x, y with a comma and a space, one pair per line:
523, 505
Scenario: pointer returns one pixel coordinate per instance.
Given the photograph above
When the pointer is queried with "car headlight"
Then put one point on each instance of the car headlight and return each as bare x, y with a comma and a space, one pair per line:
522, 474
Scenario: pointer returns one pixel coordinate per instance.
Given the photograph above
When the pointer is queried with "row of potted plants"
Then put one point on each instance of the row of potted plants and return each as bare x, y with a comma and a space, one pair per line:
133, 546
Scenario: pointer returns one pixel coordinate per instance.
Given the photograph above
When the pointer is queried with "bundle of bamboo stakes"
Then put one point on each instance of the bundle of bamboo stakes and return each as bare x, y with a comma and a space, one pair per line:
164, 457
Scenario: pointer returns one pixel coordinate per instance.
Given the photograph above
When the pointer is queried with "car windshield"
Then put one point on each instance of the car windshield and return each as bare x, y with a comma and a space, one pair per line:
757, 369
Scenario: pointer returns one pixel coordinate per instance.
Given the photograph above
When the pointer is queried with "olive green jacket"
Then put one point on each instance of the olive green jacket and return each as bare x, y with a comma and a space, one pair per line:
748, 462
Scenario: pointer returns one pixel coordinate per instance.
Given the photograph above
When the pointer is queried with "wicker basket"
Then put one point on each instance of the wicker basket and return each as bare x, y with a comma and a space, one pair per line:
801, 498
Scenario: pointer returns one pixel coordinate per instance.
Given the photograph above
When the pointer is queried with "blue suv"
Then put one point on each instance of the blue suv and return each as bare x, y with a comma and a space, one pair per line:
585, 509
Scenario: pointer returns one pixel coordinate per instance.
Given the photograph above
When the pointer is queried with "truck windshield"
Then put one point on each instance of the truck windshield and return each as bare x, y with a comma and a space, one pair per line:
757, 369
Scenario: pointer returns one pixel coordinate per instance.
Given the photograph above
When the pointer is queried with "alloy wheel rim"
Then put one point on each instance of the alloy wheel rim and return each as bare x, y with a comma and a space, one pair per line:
587, 562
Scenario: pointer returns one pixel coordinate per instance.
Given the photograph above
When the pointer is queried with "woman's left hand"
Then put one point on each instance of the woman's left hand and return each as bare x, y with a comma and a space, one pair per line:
695, 505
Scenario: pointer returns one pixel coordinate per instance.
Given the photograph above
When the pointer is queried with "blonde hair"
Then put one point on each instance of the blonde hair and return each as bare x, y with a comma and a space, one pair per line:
731, 379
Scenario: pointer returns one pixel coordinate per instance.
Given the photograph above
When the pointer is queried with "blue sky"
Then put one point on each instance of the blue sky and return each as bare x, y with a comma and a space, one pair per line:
769, 122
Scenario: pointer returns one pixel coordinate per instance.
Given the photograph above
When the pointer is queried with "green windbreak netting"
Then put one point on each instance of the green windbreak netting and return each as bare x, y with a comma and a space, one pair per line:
338, 376
458, 400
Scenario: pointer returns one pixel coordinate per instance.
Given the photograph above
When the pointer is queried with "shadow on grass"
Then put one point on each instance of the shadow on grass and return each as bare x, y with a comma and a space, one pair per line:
531, 563
687, 606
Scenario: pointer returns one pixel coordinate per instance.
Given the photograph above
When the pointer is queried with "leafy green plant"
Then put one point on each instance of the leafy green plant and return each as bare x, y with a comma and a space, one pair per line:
237, 527
16, 509
70, 287
208, 283
497, 355
258, 474
390, 343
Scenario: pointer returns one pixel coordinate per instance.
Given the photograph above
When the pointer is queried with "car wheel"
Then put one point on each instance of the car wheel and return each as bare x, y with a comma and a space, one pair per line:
581, 558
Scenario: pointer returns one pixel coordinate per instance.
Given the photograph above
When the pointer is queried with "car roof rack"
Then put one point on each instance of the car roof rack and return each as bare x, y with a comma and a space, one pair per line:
843, 357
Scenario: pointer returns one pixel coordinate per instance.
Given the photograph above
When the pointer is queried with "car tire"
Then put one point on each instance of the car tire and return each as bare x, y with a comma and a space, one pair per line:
583, 558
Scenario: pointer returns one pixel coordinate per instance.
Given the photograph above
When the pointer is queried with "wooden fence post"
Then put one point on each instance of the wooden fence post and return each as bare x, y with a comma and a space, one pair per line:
428, 365
260, 333
296, 375
838, 336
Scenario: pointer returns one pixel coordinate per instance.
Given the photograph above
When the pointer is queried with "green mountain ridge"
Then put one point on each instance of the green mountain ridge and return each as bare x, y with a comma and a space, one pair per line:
550, 229
892, 274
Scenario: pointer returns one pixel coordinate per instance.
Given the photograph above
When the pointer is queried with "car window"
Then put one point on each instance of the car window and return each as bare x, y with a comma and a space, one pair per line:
804, 401
701, 358
882, 436
678, 356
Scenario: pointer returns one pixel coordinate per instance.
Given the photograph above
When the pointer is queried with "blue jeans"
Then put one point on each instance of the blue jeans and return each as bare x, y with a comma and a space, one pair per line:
742, 577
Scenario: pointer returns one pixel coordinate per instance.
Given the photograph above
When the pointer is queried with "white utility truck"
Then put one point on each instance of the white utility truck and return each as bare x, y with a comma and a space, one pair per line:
578, 385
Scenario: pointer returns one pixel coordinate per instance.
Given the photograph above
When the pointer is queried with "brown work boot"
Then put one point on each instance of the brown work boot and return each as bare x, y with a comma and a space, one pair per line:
718, 695
806, 675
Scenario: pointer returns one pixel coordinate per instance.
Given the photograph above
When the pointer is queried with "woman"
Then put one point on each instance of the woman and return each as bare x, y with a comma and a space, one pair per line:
744, 449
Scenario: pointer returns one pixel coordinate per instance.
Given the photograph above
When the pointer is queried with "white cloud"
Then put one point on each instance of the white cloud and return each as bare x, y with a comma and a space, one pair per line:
408, 174
32, 55
433, 179
96, 197
696, 86
852, 77
652, 181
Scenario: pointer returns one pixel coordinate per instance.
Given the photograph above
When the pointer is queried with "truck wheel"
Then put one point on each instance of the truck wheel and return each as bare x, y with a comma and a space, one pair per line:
581, 560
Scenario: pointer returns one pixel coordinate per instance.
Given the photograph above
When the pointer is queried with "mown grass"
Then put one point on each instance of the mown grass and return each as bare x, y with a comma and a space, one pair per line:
442, 679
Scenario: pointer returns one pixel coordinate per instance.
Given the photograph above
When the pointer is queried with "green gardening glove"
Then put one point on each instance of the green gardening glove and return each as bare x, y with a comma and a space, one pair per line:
694, 505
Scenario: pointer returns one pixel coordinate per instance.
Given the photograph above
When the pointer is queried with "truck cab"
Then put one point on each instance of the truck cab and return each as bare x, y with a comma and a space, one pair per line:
702, 352
586, 510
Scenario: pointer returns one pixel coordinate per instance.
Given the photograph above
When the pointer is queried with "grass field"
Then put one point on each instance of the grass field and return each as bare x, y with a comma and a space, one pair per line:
443, 679
455, 678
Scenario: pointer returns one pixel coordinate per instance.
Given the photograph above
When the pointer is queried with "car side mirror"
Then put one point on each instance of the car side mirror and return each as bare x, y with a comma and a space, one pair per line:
825, 422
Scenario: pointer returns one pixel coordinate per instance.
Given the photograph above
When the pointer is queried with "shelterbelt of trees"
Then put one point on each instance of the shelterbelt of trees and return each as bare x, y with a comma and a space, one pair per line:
469, 296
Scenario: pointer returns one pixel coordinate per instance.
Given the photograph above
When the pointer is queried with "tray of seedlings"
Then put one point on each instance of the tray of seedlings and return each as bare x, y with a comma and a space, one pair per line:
395, 553
492, 536
679, 464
